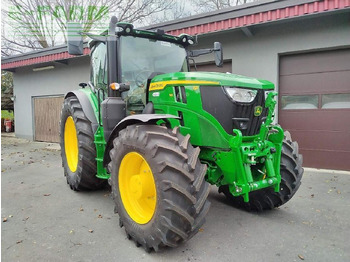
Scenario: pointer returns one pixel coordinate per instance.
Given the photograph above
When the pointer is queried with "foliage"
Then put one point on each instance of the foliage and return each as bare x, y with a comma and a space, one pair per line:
35, 24
7, 114
6, 90
6, 81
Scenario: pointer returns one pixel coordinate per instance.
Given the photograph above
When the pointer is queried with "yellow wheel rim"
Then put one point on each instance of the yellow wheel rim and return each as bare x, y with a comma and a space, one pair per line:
137, 188
71, 144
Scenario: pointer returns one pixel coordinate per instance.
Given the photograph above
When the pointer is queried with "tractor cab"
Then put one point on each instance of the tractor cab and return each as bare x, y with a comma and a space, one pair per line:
142, 58
136, 57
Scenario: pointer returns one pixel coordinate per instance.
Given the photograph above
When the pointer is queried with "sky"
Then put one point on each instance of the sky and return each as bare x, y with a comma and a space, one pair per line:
10, 32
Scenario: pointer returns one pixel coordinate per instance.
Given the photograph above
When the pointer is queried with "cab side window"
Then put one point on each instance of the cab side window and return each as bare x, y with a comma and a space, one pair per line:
99, 66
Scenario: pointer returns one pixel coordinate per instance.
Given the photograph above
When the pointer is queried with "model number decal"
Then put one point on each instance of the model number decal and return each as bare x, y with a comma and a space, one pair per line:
162, 84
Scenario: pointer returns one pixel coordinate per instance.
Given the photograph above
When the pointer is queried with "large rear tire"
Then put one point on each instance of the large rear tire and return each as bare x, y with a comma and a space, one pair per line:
77, 147
158, 186
291, 174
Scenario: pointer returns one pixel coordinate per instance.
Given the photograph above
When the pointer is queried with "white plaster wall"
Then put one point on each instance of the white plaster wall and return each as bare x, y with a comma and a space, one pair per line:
57, 81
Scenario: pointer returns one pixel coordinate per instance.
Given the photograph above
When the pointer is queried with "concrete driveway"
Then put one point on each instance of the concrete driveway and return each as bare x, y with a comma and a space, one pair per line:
46, 221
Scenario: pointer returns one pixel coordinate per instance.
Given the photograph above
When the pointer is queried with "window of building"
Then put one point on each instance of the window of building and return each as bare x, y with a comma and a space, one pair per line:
335, 101
299, 102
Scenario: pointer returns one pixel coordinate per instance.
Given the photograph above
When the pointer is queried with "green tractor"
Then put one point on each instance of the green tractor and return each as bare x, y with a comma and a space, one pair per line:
160, 134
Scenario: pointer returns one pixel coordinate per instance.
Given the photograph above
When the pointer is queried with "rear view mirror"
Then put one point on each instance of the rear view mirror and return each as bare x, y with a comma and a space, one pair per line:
217, 50
219, 60
75, 39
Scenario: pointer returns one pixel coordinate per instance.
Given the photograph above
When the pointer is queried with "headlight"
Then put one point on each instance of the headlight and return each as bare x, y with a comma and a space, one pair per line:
241, 94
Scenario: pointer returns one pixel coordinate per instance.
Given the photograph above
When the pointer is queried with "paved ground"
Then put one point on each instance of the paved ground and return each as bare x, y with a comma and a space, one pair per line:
46, 221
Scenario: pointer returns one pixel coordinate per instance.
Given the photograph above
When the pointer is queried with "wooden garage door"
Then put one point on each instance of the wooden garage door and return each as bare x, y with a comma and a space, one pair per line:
47, 111
314, 105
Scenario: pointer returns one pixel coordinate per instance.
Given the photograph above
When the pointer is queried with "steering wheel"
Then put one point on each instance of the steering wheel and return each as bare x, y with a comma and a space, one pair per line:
141, 77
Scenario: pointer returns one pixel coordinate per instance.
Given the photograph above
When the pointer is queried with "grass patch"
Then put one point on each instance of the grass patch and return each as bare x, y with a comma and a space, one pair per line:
6, 114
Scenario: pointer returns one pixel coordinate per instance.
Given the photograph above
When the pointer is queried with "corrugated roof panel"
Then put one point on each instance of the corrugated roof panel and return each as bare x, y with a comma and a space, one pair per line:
272, 15
227, 23
40, 59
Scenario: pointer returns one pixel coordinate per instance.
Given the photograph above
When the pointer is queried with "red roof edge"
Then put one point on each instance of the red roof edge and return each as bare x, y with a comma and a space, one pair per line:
263, 17
242, 21
41, 59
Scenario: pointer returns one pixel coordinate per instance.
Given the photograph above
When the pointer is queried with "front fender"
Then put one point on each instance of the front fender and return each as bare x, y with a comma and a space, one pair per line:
86, 106
131, 120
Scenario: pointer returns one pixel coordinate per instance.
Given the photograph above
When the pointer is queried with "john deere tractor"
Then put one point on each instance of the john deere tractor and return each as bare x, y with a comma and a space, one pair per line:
161, 134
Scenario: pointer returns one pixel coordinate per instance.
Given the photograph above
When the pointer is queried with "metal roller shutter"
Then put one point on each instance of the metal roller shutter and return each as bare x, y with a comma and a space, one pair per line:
314, 105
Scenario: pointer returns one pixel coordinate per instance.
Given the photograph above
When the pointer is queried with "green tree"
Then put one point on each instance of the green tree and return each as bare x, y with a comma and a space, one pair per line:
6, 90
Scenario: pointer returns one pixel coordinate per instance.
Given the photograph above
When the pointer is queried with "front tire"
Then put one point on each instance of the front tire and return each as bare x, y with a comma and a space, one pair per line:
291, 174
78, 150
158, 186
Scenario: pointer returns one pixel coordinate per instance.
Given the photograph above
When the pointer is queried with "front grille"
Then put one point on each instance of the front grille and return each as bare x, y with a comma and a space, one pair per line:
234, 115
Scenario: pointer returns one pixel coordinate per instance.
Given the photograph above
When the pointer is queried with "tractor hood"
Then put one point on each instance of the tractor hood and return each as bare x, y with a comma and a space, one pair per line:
211, 78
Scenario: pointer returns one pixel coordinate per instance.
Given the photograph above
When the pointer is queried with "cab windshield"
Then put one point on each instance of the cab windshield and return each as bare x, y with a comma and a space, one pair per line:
140, 57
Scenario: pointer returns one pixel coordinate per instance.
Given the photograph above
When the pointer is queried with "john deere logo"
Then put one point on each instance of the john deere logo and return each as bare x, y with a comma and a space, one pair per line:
257, 110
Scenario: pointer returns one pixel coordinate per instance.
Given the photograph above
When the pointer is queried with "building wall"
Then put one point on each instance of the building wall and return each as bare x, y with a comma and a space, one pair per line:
57, 81
258, 56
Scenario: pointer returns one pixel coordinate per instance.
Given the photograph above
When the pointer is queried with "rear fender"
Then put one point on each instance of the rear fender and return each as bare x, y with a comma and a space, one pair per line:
131, 120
